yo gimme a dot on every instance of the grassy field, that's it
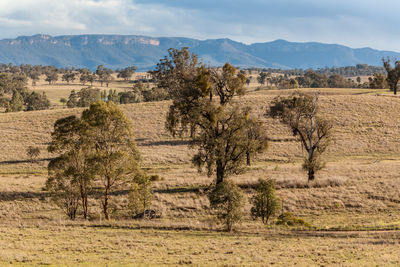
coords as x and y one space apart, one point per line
353 207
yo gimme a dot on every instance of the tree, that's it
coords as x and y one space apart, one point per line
265 202
16 102
36 101
86 76
51 77
300 112
63 100
68 76
87 96
222 141
257 141
262 78
126 73
35 76
228 200
65 191
115 156
377 81
293 84
104 74
72 172
393 74
72 100
202 105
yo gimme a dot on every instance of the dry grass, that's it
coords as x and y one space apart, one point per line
358 190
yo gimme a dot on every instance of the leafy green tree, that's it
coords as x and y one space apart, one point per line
51 77
87 96
223 141
68 76
8 84
72 172
35 77
228 200
36 101
63 100
262 77
393 74
126 73
16 102
86 76
300 112
104 74
378 81
257 141
265 202
65 191
293 84
115 156
72 100
202 105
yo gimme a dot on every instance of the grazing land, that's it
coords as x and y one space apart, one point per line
353 207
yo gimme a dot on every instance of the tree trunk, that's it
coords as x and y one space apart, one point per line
105 204
248 160
192 131
220 172
395 90
311 175
85 207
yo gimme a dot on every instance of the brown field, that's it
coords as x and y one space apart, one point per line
353 207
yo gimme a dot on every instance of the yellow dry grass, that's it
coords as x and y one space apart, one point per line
357 191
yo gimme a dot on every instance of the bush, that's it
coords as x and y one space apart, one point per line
288 219
140 196
265 202
228 200
32 153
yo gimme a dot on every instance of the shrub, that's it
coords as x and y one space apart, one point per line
140 196
32 153
228 200
265 202
288 219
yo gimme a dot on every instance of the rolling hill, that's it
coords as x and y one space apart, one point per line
118 51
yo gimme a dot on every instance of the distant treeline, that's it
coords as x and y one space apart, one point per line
349 71
313 79
15 96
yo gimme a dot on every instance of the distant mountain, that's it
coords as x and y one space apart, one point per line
118 51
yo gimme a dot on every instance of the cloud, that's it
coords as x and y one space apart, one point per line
355 23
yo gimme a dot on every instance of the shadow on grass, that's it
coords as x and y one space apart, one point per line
165 143
12 196
23 161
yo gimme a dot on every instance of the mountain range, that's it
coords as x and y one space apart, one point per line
118 51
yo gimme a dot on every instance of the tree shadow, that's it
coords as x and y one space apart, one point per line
6 162
12 196
166 143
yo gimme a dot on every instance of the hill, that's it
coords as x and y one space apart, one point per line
118 51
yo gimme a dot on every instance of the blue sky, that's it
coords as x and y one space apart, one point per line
354 23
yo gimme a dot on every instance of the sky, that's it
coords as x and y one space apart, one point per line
354 23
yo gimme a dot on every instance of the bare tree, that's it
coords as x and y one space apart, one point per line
300 113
